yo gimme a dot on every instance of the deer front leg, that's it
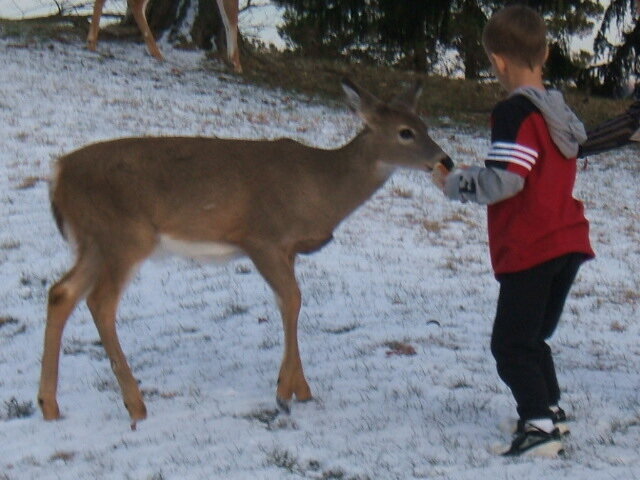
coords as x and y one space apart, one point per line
94 28
103 303
277 268
291 378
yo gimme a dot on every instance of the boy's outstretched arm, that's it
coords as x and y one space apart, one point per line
613 133
478 184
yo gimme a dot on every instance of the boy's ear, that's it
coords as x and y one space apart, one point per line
498 62
546 54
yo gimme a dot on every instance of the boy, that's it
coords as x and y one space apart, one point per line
538 234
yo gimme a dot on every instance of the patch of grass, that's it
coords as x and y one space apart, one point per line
34 30
10 245
148 393
29 182
271 419
4 321
342 329
616 326
265 415
268 343
432 226
284 459
15 409
402 193
11 327
243 269
235 309
399 348
467 103
62 456
339 474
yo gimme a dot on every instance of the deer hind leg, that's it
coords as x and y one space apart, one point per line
103 303
94 28
63 298
278 270
229 13
138 9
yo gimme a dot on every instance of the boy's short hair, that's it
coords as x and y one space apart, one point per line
519 33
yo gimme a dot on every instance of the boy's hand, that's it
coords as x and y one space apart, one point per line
440 173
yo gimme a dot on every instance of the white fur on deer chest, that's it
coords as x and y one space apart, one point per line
214 251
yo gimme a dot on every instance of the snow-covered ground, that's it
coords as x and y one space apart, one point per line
205 341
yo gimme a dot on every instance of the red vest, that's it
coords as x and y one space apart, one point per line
543 221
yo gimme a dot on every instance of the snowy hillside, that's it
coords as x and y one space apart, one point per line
205 341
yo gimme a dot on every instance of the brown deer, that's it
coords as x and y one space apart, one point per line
121 200
228 12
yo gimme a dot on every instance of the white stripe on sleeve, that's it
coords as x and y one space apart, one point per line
513 153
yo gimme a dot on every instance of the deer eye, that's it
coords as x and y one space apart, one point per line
406 134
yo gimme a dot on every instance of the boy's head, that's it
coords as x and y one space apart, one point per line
517 34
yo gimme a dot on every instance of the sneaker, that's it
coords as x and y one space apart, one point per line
558 417
536 443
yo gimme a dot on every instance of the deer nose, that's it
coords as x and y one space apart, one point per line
447 163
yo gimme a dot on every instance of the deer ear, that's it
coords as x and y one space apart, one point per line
409 98
361 101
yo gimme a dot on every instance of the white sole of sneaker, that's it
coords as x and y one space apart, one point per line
546 450
636 136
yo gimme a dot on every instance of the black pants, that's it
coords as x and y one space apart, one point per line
529 307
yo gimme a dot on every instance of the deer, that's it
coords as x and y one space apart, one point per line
228 11
121 200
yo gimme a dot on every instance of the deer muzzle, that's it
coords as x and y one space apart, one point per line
447 163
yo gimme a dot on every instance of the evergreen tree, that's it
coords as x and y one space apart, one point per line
618 62
413 34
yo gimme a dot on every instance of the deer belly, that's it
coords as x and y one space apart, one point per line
213 251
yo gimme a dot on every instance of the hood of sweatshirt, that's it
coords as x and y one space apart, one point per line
566 130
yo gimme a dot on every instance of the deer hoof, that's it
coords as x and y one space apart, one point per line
50 410
304 394
136 413
283 405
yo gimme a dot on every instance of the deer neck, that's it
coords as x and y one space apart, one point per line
366 171
351 174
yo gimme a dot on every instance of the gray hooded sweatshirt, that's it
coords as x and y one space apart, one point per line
486 185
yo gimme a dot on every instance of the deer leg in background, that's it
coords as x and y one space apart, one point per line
278 270
138 9
94 28
613 133
229 13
